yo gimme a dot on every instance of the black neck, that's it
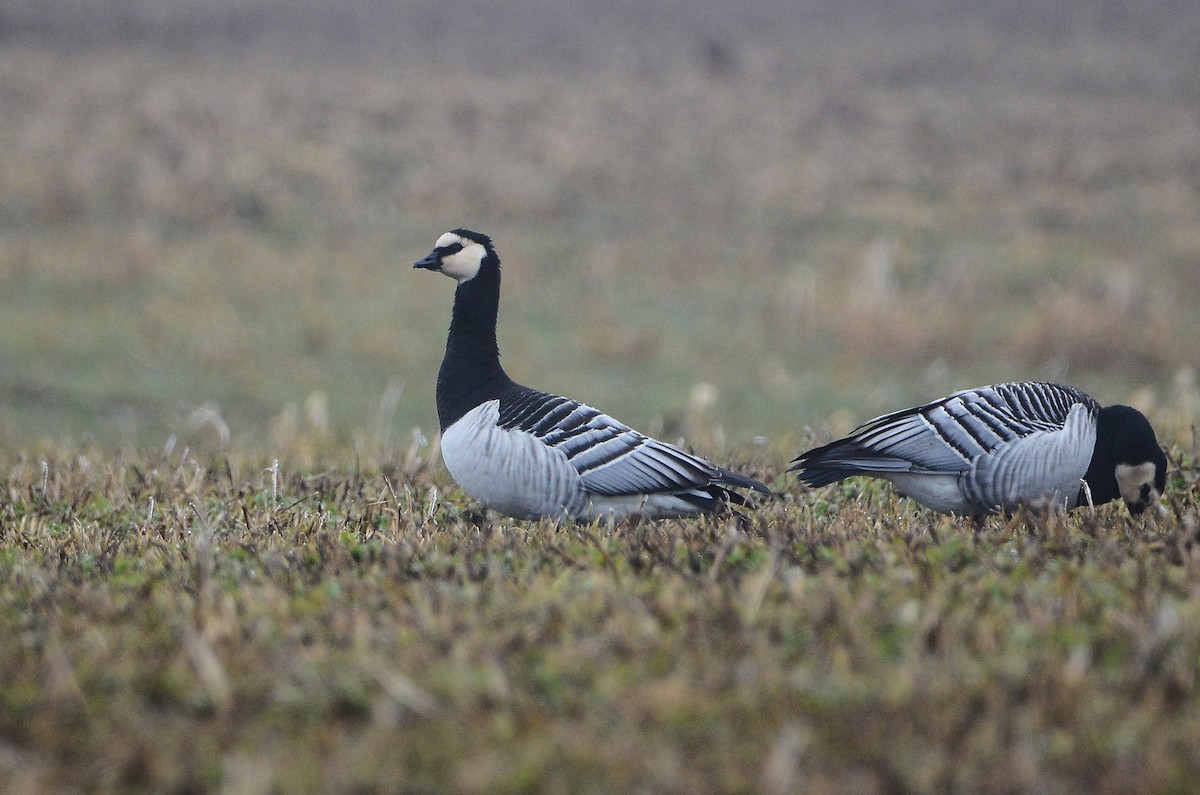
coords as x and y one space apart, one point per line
1101 476
471 373
1123 436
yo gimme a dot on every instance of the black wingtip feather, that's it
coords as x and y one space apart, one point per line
730 478
815 477
819 466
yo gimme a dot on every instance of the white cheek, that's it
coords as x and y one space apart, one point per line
464 265
1130 480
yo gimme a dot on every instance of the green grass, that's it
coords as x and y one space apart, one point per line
173 624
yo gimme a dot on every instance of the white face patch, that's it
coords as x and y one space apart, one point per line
1130 480
462 265
448 238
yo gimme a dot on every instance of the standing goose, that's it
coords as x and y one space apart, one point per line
530 454
997 447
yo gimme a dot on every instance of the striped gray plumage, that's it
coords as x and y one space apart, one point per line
531 454
610 457
989 449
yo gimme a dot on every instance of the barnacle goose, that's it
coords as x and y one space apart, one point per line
997 447
530 454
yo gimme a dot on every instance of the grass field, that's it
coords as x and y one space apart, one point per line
230 558
176 625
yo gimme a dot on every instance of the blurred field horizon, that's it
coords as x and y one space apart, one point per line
209 210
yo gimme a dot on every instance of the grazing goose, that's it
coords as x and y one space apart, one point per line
530 454
997 447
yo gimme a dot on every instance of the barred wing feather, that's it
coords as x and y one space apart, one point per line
611 458
953 434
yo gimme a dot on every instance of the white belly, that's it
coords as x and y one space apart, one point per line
941 492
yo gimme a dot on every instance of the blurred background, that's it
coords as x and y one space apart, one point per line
722 220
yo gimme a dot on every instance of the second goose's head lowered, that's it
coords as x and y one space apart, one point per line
460 254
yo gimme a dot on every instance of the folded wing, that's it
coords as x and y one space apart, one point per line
611 458
949 435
